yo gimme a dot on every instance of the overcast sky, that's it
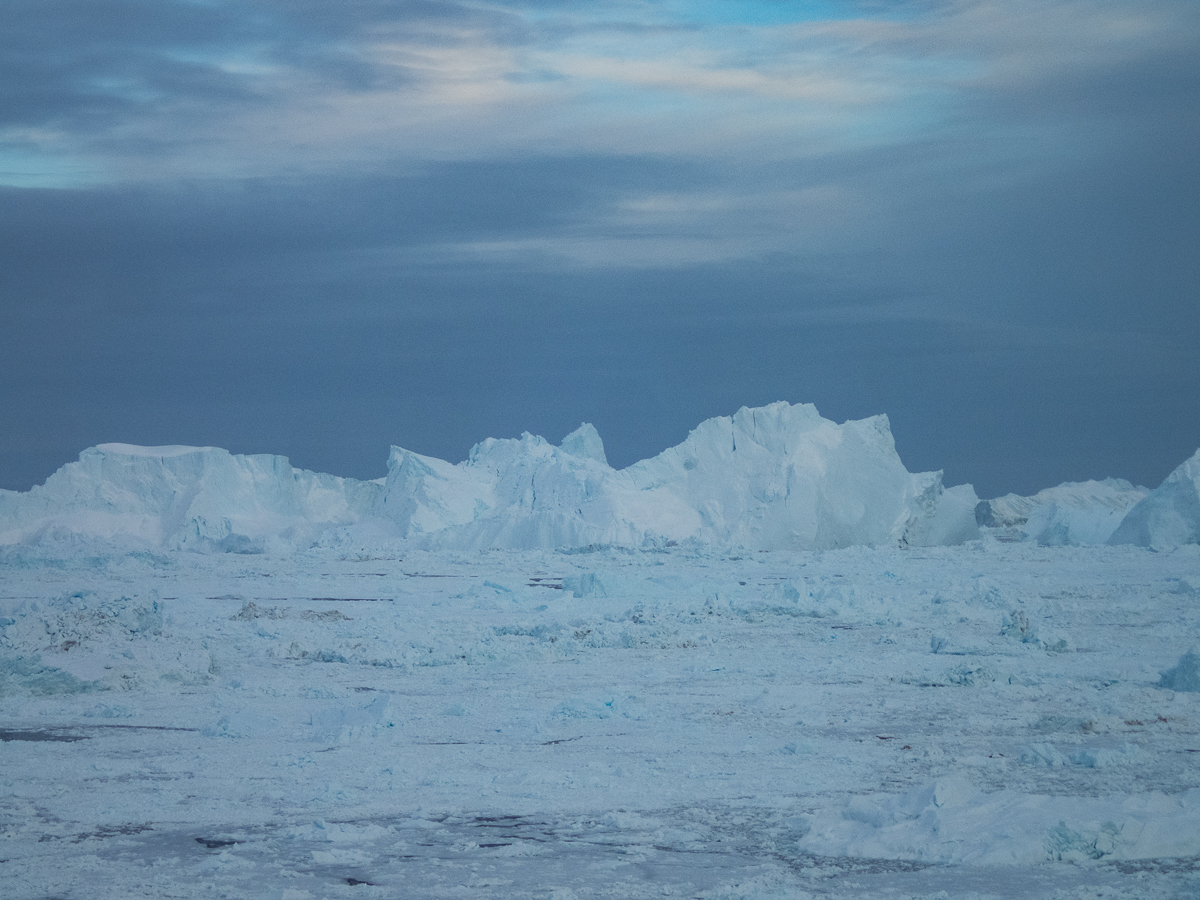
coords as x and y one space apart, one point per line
319 229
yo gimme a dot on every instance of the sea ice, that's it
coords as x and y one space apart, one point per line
677 722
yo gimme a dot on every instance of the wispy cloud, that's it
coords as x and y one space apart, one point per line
803 135
171 88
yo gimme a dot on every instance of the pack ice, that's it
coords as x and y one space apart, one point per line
775 477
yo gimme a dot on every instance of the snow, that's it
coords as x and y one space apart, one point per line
776 477
152 452
1169 515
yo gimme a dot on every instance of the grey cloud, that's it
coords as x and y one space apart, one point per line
62 61
84 64
242 220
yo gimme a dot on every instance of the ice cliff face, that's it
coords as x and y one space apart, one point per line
777 477
1169 515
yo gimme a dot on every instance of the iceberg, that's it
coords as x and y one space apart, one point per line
1071 514
773 478
1169 515
782 477
193 498
521 493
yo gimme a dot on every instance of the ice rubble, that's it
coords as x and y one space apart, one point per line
776 477
1169 515
1071 514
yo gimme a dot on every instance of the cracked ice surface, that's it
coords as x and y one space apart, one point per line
986 721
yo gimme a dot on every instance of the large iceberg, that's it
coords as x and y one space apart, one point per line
772 478
196 498
782 477
1169 515
1073 513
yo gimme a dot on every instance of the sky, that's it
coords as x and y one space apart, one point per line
321 229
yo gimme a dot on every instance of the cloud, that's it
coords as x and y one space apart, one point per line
484 130
292 84
133 82
131 90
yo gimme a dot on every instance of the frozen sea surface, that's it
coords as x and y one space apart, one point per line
984 721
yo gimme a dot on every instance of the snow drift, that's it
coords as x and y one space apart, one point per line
1169 515
776 477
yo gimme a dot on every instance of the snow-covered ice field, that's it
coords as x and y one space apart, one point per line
987 720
